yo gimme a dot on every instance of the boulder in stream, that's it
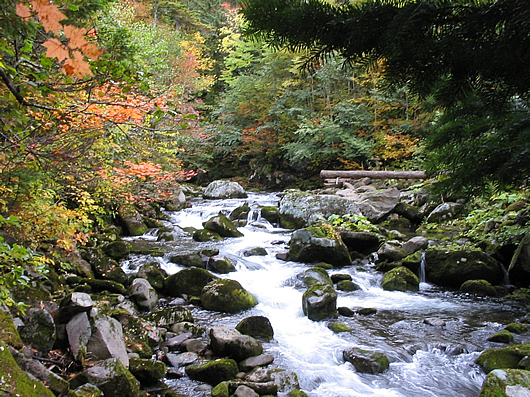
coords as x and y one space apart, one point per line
319 244
257 327
188 282
506 382
132 220
229 342
400 279
226 295
451 268
223 190
366 361
223 226
320 302
213 372
505 358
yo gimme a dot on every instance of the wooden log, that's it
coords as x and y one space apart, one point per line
328 174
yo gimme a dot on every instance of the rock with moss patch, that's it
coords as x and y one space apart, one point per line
105 268
132 220
347 285
141 292
86 390
188 282
226 295
167 316
154 274
506 383
505 358
8 331
111 377
451 268
229 342
20 382
362 242
478 287
320 302
257 327
366 361
204 235
220 264
39 330
503 336
213 372
338 327
147 371
106 340
400 279
318 244
223 226
315 275
517 328
117 250
221 390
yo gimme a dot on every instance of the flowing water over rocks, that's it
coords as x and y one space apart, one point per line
431 337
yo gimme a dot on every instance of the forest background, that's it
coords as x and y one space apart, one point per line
111 102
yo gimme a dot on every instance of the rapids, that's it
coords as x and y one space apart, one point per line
432 337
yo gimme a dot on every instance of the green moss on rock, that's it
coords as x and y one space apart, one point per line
226 295
400 279
213 372
505 358
506 383
503 336
188 281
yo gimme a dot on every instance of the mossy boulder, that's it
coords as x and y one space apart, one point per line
220 264
257 327
271 214
8 332
339 327
506 383
319 244
204 235
16 381
320 302
39 330
229 342
240 215
478 287
105 268
147 371
400 279
223 226
517 328
315 275
111 377
226 295
154 274
188 260
362 242
505 358
366 361
221 390
347 285
117 250
132 220
137 333
503 336
213 372
167 316
451 268
188 281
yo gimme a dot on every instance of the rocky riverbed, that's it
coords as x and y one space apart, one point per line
205 301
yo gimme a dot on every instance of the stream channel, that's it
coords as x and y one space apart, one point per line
431 337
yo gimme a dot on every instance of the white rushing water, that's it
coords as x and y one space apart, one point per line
428 358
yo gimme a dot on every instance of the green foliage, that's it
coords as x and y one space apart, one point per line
14 261
353 222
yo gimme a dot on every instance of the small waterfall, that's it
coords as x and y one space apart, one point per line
506 279
422 268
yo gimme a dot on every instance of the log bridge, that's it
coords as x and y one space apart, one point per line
337 178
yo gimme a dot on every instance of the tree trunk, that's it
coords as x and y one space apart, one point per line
327 174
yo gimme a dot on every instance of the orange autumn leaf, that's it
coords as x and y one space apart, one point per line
91 51
75 35
49 15
56 49
23 11
77 66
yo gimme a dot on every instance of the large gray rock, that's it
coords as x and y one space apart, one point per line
444 211
143 294
374 205
318 244
107 340
299 209
226 295
79 330
320 302
224 190
76 302
391 253
177 201
229 342
415 244
111 377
